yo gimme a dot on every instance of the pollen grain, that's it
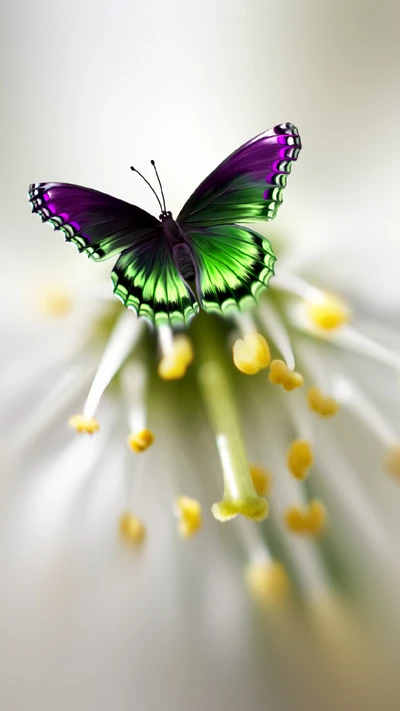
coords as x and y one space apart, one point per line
80 423
280 374
189 514
140 441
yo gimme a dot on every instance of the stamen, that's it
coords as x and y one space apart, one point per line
141 441
177 354
273 324
188 511
355 399
329 313
55 404
301 550
262 479
132 529
55 302
80 423
284 281
280 374
349 338
299 458
134 382
323 405
123 338
245 323
240 496
356 509
268 582
392 461
310 521
251 354
366 411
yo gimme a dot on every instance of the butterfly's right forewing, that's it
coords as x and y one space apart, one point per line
100 225
145 276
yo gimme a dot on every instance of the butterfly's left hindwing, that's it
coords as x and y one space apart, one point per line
233 262
233 266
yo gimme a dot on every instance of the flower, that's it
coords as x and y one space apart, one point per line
86 622
261 399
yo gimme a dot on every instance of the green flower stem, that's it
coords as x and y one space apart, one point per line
240 496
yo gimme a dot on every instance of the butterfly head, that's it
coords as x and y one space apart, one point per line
165 215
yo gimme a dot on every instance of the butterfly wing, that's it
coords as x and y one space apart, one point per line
145 276
233 266
234 262
248 185
147 279
98 224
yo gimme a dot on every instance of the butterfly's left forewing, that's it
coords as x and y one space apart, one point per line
248 185
232 261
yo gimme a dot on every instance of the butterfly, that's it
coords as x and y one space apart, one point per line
167 267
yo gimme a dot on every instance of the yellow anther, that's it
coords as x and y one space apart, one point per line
131 528
321 404
268 582
171 369
317 517
173 366
255 508
280 374
189 513
140 441
299 458
392 461
84 424
251 354
183 349
55 302
329 313
262 479
311 521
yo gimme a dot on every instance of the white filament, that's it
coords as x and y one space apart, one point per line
245 324
123 338
283 281
271 321
166 339
355 399
134 382
252 541
351 339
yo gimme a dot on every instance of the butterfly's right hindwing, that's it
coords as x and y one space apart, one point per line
145 277
147 280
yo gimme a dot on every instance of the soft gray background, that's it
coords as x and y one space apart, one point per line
87 89
90 87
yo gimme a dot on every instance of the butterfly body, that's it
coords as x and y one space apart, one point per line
159 259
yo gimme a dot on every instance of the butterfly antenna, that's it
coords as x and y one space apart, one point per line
159 182
150 186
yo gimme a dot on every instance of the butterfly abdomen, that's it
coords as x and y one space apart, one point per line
180 250
184 261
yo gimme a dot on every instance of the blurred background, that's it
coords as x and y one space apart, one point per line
89 88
